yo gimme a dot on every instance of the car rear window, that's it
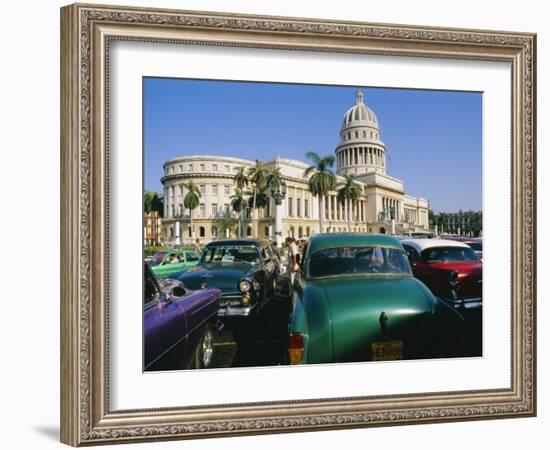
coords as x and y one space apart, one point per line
478 246
362 260
448 254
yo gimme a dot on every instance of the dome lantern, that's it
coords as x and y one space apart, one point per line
360 150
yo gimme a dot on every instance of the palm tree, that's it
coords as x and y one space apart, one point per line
226 222
240 178
321 179
239 205
259 200
348 190
275 177
257 175
191 201
152 201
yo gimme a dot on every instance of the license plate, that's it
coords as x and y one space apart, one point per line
387 351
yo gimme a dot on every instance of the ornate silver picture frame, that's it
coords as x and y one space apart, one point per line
87 32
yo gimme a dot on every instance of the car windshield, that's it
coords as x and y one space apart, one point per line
364 260
190 256
157 258
231 253
448 254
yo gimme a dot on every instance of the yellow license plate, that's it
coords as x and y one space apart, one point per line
387 351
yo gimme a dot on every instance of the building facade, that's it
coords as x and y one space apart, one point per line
383 207
153 233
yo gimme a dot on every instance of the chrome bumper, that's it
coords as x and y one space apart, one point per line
236 311
231 306
466 303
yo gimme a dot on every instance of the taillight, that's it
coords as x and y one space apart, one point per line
296 348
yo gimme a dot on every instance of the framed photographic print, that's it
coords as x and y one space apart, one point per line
279 224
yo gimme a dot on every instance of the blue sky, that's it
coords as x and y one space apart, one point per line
433 138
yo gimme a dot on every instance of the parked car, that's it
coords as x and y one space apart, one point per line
433 261
356 299
245 270
167 263
178 324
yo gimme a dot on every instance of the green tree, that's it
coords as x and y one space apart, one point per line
240 178
257 176
191 201
275 178
152 201
321 179
239 205
348 190
226 222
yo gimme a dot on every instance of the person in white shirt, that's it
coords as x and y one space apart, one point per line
293 256
197 246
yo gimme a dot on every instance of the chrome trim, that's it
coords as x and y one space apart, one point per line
467 303
236 311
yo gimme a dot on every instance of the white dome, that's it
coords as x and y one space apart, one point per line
359 114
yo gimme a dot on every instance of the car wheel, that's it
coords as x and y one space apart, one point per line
205 350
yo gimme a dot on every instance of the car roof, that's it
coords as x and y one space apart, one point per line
423 244
235 242
332 240
463 239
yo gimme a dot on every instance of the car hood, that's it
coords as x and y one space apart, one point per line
224 276
355 308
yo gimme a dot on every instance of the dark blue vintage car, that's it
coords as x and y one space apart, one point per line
178 324
245 270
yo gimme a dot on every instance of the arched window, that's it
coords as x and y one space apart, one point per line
308 231
249 231
171 232
214 232
300 233
291 232
266 231
189 232
364 134
202 232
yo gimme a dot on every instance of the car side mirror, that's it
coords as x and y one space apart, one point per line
178 291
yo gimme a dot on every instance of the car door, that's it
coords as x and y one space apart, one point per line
164 325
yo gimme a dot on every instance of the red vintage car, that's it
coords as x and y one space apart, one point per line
453 272
436 261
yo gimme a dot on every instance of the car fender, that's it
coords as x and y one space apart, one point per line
312 316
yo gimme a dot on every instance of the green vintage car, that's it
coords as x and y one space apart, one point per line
355 299
169 262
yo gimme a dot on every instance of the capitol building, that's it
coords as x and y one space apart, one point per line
383 207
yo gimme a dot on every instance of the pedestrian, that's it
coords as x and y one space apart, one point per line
293 258
197 246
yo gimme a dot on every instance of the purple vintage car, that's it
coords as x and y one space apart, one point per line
178 324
